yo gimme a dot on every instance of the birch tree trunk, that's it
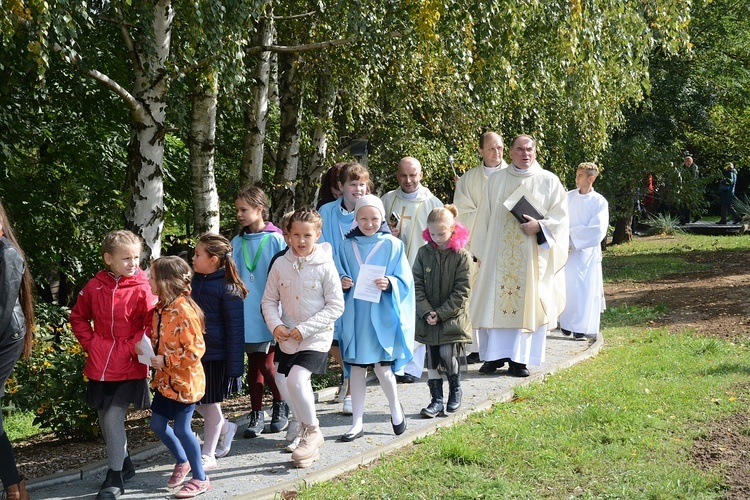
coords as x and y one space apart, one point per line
326 94
202 143
144 213
287 157
256 113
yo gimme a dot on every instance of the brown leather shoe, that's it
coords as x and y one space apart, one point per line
16 492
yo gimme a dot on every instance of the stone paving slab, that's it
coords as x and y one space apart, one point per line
259 468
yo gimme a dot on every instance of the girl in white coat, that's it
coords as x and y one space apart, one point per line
305 283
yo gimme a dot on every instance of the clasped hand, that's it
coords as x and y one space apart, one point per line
432 318
281 333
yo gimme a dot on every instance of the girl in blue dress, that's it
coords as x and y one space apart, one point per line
378 321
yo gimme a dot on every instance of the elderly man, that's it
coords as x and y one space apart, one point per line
520 290
411 203
469 191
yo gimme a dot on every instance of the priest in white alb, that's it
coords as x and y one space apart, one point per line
589 220
469 192
520 288
411 203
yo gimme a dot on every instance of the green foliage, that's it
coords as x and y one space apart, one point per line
19 424
663 225
51 383
743 206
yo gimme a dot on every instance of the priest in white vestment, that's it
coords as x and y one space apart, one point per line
520 288
412 203
469 192
589 219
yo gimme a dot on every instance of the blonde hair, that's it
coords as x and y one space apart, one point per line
218 246
445 215
172 275
305 214
115 240
590 167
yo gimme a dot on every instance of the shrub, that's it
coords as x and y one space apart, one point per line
51 383
662 224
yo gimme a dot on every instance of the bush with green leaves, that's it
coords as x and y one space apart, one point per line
663 224
51 383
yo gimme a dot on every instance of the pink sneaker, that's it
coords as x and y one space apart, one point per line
193 488
178 475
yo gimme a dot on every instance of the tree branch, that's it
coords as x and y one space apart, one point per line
290 49
293 17
75 61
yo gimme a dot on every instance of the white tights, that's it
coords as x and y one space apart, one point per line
358 385
296 389
213 425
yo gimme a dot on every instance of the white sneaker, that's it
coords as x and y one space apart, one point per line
342 390
293 430
208 462
293 445
225 440
347 408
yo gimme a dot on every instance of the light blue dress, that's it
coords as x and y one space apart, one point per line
383 331
252 256
335 226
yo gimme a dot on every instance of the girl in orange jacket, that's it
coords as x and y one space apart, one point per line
179 379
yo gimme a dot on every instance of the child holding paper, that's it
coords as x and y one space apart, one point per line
378 320
111 316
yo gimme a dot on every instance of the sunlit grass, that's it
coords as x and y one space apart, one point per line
645 259
620 425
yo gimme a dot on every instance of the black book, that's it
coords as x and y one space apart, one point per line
524 207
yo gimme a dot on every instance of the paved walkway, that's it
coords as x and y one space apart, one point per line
259 468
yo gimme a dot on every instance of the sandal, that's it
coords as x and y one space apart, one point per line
178 475
193 488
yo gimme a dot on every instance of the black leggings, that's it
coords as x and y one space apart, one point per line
9 354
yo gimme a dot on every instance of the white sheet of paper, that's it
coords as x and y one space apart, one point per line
148 351
518 193
365 288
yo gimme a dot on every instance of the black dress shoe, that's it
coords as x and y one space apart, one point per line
472 358
518 370
405 379
400 428
565 332
348 438
579 336
490 367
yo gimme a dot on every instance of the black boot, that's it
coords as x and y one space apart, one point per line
435 407
257 424
454 393
128 470
112 487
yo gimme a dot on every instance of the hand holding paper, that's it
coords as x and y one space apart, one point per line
144 350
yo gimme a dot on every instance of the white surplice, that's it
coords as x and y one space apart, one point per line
589 219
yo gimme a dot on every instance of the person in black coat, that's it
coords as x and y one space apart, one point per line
16 332
219 291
